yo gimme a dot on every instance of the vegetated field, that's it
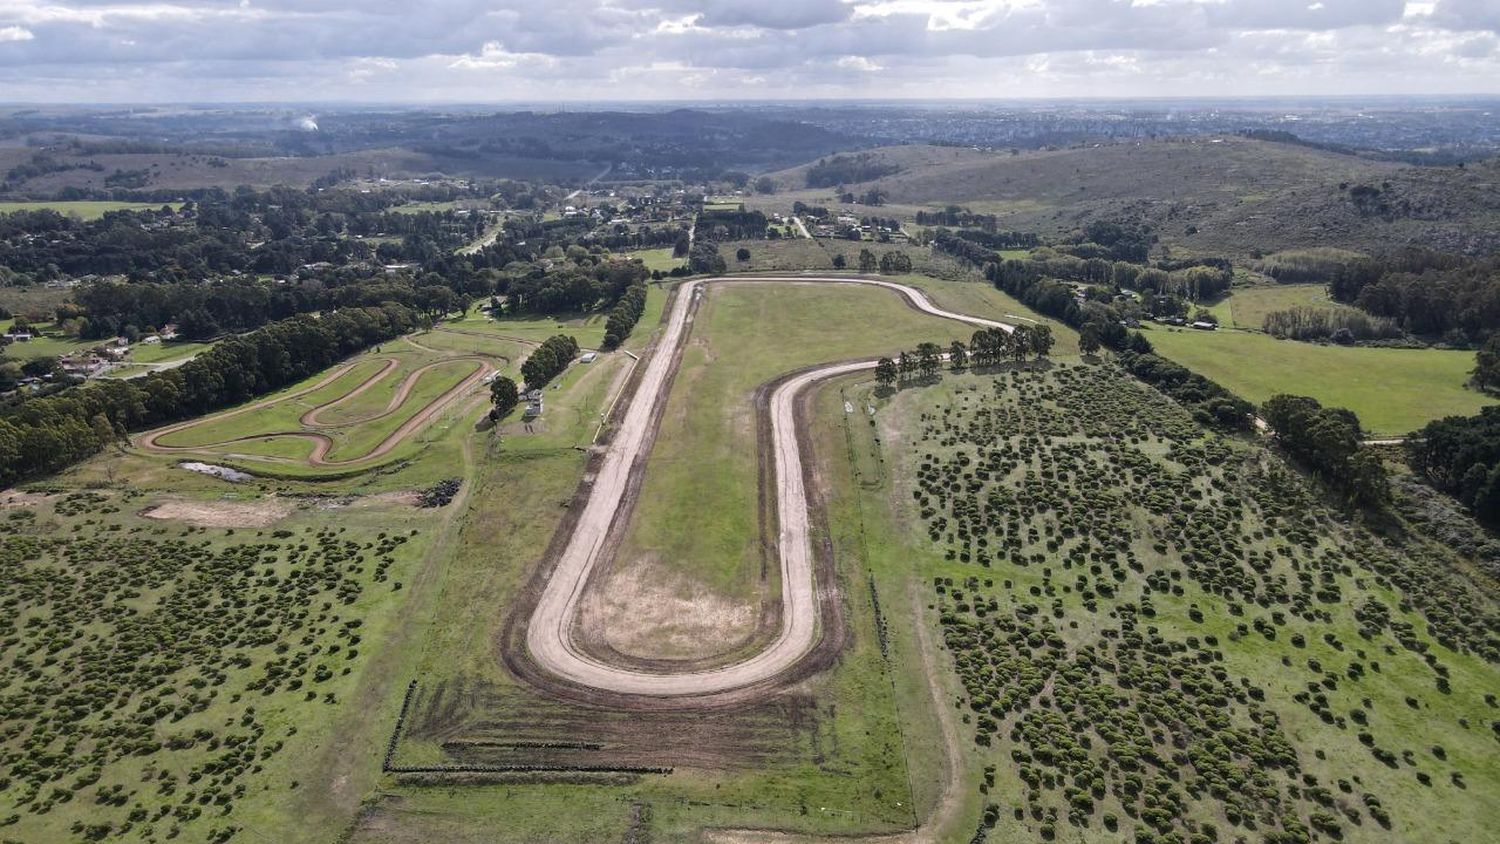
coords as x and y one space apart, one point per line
1159 631
164 681
826 756
46 343
235 648
1246 307
586 328
657 259
1210 196
84 209
165 351
1394 391
365 411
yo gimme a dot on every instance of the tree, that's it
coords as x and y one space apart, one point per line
1487 364
504 395
895 262
958 356
765 184
704 258
886 373
929 359
1041 340
1020 343
867 261
839 261
1088 339
907 366
742 254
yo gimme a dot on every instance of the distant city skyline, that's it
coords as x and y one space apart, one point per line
98 51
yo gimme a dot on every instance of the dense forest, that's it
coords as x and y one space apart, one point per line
1429 294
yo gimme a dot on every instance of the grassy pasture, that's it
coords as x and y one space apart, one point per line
1394 391
656 259
84 209
164 352
1246 307
587 329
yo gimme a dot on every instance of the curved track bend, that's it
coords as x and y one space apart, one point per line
549 632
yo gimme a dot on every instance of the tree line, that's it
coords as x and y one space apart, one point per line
549 359
1338 326
987 347
44 435
1460 455
624 315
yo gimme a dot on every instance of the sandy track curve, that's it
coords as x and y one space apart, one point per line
550 629
322 443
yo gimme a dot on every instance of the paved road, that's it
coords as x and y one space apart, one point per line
549 636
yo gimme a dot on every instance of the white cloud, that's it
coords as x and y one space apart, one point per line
602 49
857 63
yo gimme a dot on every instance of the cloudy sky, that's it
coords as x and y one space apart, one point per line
546 50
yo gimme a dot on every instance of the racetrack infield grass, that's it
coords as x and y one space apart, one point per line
1394 391
1431 733
696 526
280 612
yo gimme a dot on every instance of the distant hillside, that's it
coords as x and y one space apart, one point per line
229 148
1223 195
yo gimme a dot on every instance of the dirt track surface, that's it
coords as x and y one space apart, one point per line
550 630
322 443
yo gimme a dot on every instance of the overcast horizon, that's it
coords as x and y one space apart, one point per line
600 51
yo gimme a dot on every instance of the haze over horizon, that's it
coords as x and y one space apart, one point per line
264 51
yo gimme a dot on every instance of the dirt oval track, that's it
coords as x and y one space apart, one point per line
549 637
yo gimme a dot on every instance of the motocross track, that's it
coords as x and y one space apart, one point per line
322 443
553 656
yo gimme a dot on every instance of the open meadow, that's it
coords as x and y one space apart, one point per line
1394 391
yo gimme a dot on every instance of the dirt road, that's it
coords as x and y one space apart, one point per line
322 443
549 633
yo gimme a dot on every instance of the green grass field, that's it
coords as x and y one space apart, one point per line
1246 307
1394 391
657 259
46 342
587 329
165 352
83 209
